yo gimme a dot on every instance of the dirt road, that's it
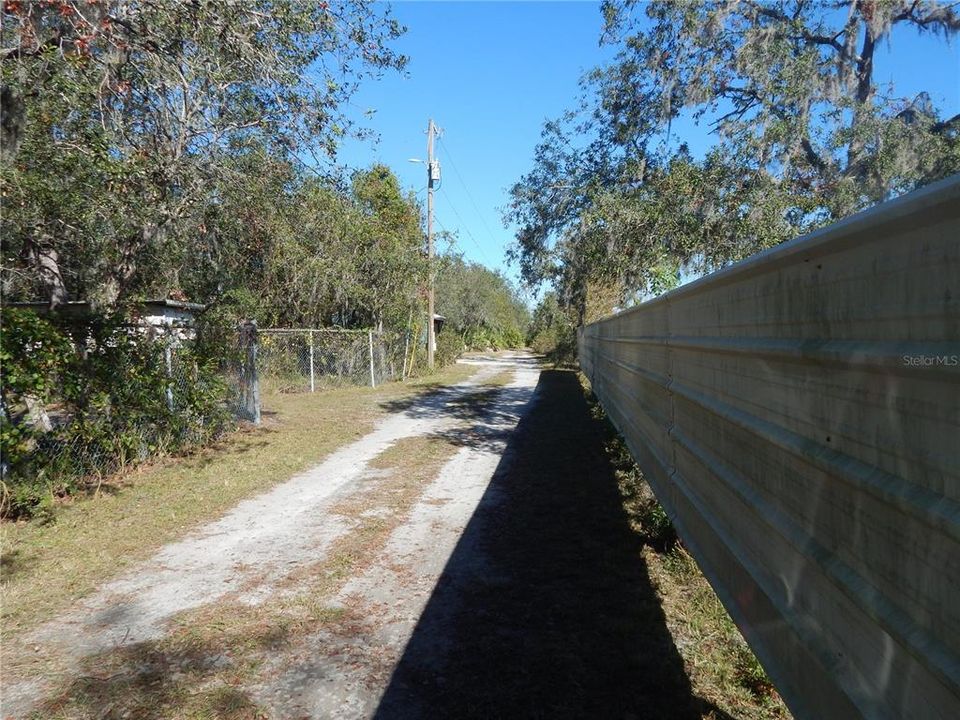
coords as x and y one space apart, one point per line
249 552
508 584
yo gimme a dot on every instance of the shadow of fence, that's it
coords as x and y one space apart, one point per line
545 607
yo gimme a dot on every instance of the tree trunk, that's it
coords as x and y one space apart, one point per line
863 97
12 113
43 257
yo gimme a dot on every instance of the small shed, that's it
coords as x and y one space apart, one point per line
170 313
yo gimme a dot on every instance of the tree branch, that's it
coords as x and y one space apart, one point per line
942 17
945 125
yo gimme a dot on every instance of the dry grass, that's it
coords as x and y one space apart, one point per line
499 380
211 656
720 664
48 566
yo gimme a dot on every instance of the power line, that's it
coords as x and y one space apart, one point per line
466 189
464 224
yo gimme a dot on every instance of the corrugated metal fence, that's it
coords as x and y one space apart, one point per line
798 416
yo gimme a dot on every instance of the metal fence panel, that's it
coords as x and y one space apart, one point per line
798 416
291 360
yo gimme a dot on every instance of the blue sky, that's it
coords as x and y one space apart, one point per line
490 73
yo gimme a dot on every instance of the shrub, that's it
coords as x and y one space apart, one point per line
83 397
449 348
553 331
558 342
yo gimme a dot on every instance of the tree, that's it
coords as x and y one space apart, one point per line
480 305
301 252
805 136
390 261
788 85
552 331
125 117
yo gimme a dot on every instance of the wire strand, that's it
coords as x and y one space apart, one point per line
466 228
466 189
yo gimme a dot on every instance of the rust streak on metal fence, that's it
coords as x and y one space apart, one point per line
798 416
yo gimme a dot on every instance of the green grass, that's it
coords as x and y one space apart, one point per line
47 566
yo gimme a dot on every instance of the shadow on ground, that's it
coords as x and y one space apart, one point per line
545 608
484 416
157 680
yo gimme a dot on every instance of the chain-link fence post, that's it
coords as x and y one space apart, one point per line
249 380
373 380
312 386
168 360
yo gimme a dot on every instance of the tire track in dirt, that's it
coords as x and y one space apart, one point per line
343 673
245 554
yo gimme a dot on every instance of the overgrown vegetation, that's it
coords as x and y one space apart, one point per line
481 306
155 150
552 332
84 396
187 151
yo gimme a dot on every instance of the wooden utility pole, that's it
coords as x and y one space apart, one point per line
432 173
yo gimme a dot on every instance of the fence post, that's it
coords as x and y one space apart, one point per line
311 360
168 359
251 381
373 380
406 346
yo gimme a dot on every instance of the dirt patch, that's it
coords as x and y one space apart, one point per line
342 671
210 597
209 656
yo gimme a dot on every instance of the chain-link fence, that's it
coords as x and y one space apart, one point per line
84 446
308 360
143 391
112 395
238 367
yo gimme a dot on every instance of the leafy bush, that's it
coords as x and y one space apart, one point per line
502 338
449 348
480 305
217 325
558 342
83 397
